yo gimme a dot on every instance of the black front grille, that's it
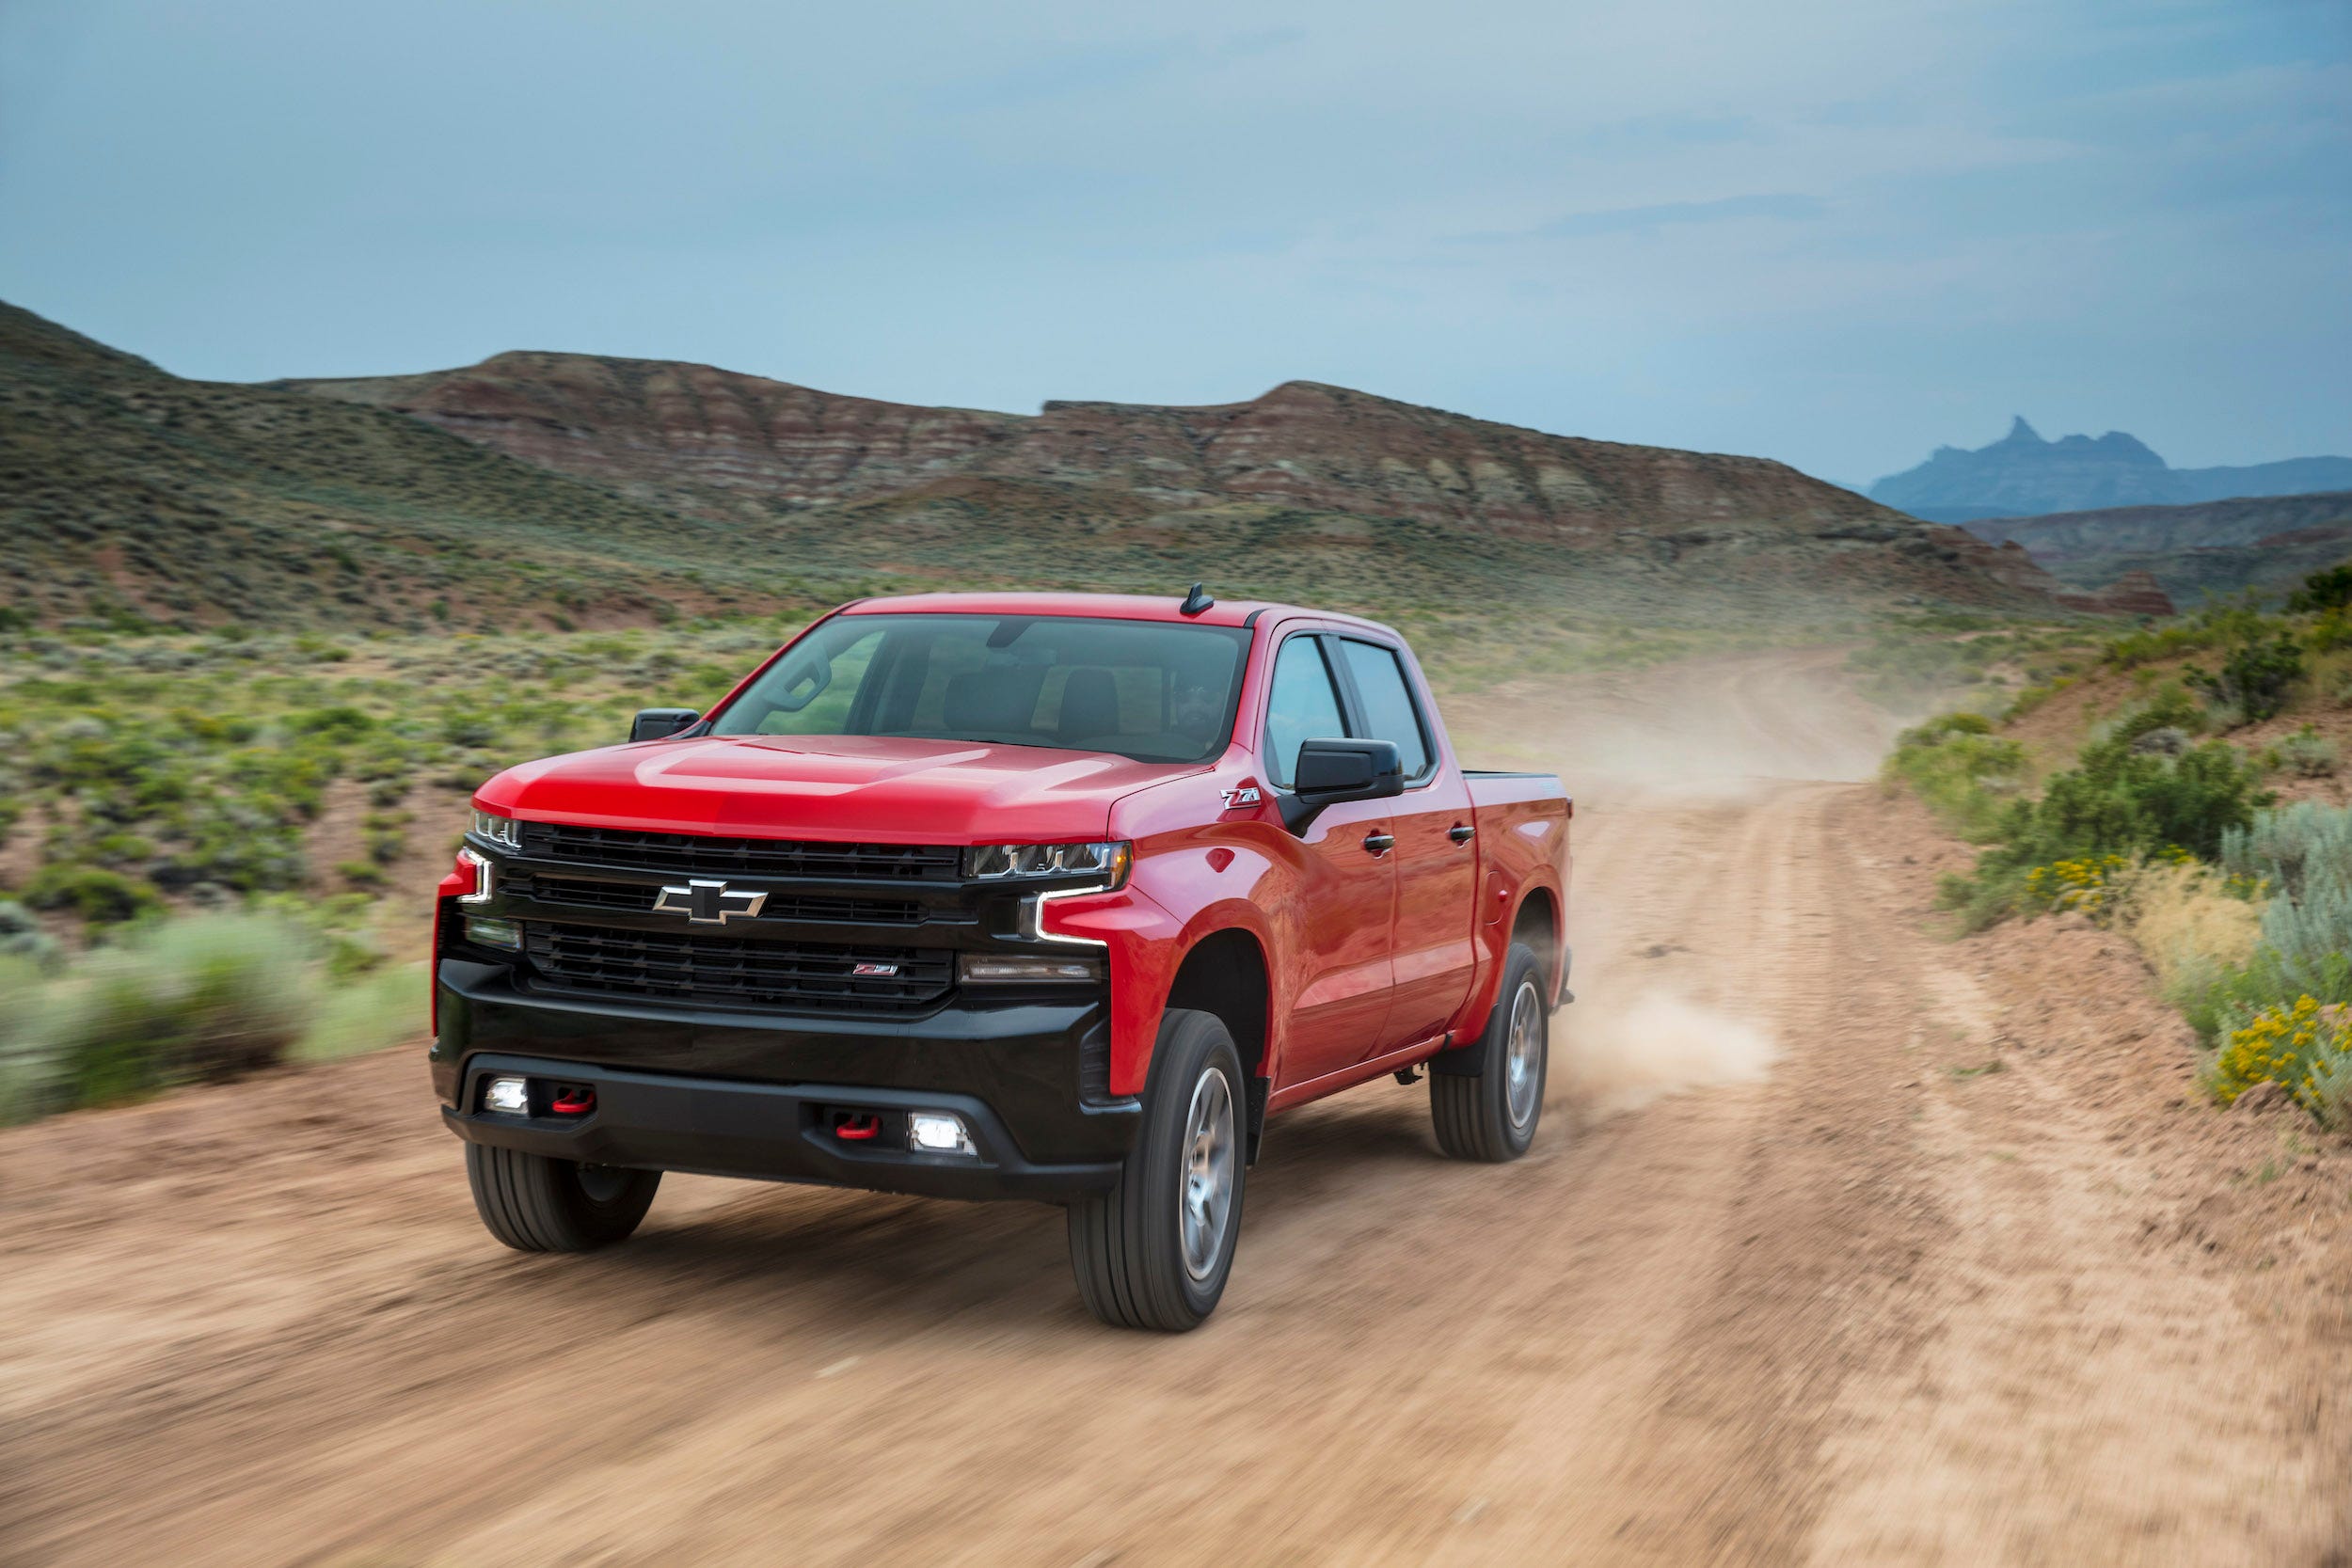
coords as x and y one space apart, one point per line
641 897
720 857
729 972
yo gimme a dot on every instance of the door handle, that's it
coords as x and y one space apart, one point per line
1379 843
1460 832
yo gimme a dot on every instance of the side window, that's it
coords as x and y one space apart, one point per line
1302 706
1389 707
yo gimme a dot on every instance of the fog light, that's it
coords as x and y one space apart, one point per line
991 969
493 933
512 1095
937 1132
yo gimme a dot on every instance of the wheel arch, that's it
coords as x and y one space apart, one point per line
1226 973
1538 923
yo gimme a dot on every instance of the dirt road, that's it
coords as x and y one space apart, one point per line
1854 1294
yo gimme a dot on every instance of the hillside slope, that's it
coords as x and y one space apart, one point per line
541 488
132 492
725 445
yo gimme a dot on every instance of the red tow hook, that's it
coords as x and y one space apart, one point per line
859 1128
573 1102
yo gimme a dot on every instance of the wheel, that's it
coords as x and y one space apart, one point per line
536 1204
1153 1250
1492 1115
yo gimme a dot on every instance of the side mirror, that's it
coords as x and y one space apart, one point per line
652 723
1330 771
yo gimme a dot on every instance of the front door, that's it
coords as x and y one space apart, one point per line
1342 912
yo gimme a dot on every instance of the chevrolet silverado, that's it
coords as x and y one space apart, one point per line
1035 895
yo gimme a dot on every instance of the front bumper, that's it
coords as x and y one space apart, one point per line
732 1093
770 1132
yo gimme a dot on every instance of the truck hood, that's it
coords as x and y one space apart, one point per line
863 788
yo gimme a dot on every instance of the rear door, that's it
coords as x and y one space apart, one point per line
1432 950
1339 921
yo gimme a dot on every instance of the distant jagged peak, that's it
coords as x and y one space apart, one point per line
2021 434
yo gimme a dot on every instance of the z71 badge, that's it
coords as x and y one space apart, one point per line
1246 796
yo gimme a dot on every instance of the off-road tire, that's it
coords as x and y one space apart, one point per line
1480 1117
1127 1242
536 1204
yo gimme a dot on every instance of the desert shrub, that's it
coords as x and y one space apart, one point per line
22 938
2304 854
2308 754
2254 677
2118 802
469 727
23 1045
2098 886
386 835
202 998
2324 591
2220 626
2305 848
2031 697
2303 1046
341 725
2167 707
249 843
99 896
1963 773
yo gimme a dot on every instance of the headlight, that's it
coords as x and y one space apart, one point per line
1107 862
492 828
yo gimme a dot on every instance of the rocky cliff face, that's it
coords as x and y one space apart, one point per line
722 445
2023 474
2133 593
2208 526
2267 544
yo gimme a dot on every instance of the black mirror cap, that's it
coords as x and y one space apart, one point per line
1330 771
653 723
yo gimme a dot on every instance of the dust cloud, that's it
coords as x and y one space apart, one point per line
1618 1060
1667 766
1718 729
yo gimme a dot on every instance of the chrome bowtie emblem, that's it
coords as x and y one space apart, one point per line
708 903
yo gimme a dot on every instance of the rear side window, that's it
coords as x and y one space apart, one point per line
1302 706
1390 711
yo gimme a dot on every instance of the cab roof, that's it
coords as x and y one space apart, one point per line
1109 607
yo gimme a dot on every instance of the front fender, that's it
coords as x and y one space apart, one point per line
1146 945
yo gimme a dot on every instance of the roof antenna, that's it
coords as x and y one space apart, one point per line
1195 602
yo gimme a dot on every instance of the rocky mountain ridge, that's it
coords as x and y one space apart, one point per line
724 445
567 490
2023 474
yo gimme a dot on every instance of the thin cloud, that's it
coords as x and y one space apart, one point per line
1640 220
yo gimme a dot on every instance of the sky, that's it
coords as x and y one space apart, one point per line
1837 232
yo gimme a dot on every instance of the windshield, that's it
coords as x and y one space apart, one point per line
1152 690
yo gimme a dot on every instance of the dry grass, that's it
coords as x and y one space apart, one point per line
2184 922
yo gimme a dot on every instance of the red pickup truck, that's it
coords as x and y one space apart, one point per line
1038 895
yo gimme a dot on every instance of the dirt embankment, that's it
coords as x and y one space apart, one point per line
1932 1259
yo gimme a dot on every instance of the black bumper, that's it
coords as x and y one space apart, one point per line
752 1095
